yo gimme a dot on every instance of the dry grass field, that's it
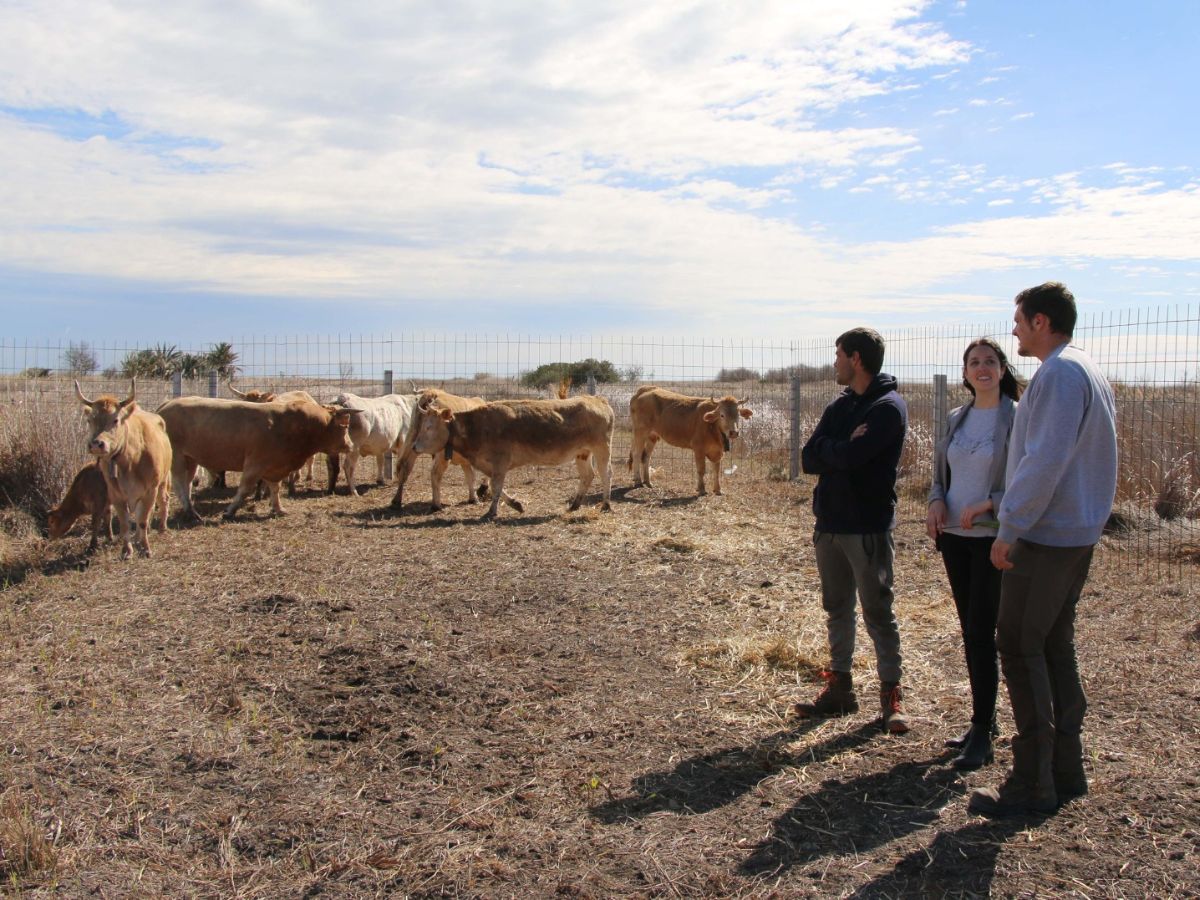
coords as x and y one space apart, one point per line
345 702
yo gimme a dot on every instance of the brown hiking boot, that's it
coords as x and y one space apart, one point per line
1016 797
894 720
836 699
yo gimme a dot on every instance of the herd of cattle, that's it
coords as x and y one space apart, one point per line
139 455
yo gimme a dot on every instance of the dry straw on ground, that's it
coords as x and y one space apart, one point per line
347 702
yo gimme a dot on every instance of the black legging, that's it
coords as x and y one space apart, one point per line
975 584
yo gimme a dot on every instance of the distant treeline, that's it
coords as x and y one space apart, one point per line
779 376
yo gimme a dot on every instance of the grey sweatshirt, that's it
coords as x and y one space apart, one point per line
1062 457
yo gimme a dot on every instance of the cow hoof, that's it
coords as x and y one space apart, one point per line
605 506
126 552
574 504
717 493
517 505
436 507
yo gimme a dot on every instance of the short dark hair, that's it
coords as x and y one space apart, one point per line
867 343
1011 384
1054 301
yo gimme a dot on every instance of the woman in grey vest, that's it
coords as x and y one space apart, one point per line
968 484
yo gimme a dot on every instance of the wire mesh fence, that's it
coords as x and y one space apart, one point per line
1152 356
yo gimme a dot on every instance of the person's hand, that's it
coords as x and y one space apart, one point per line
1000 551
859 431
935 519
974 511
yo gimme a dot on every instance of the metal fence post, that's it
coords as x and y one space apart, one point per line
212 383
941 411
177 384
387 457
794 462
591 384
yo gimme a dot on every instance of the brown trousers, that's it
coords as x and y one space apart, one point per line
1035 634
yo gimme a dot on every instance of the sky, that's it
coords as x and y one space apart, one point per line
188 171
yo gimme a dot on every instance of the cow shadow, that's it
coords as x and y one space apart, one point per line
958 863
703 783
844 817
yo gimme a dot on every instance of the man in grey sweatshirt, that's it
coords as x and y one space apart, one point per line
1061 481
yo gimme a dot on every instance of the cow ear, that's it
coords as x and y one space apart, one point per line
745 413
710 416
447 415
343 418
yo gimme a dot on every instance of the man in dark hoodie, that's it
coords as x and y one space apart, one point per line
855 450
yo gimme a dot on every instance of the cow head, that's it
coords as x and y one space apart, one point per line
434 433
337 431
725 417
253 396
107 416
58 522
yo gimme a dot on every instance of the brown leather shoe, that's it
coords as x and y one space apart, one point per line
1015 797
893 719
836 699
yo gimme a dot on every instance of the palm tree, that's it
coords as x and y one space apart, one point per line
222 359
165 360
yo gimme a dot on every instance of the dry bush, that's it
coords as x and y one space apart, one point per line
1177 496
37 462
26 849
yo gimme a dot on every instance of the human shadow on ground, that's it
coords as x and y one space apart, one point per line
703 783
959 863
849 816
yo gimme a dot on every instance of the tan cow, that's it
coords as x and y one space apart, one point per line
133 454
705 426
429 400
256 396
266 441
88 493
506 434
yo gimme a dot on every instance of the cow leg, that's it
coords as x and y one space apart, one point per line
122 510
647 450
637 450
403 469
602 457
350 466
716 461
332 462
497 493
308 469
97 521
276 507
436 472
164 504
183 470
142 512
249 479
379 465
700 459
583 466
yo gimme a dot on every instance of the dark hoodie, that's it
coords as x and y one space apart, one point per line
856 491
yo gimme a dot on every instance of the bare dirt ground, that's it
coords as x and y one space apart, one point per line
347 702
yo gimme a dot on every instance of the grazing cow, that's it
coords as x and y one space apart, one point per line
88 493
500 436
266 441
428 401
706 426
380 425
134 456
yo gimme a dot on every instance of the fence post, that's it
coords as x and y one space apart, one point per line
387 457
176 383
794 462
940 411
212 383
591 383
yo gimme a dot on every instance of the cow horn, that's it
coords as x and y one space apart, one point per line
82 399
236 391
744 400
132 394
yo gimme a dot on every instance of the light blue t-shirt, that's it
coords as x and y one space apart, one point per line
969 457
